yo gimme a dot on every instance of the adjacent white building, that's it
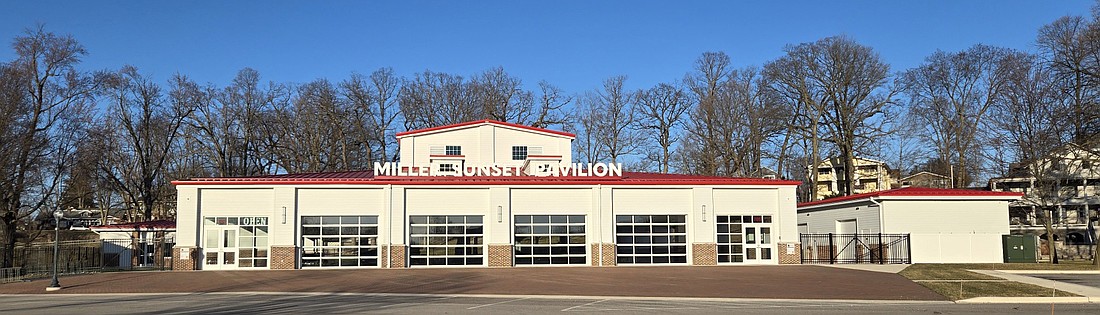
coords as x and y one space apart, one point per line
945 225
483 193
1067 195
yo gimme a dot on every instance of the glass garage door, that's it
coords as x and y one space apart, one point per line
446 240
339 241
745 239
651 239
550 240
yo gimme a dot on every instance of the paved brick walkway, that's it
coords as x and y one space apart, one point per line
787 282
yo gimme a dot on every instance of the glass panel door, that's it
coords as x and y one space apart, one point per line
232 242
220 251
745 239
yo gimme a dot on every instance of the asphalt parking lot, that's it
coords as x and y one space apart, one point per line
361 303
761 282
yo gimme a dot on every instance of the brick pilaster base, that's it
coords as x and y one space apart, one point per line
284 257
789 259
500 255
397 258
608 257
194 258
704 254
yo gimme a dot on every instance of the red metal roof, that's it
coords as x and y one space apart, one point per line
146 225
914 192
367 178
486 121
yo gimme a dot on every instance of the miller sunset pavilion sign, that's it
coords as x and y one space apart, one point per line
494 170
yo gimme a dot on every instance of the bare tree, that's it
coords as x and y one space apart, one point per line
432 99
1070 47
373 99
225 127
1030 117
700 154
611 120
729 130
661 111
145 125
950 94
839 92
45 101
790 82
502 96
550 106
854 86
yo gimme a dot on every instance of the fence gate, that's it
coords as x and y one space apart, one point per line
868 248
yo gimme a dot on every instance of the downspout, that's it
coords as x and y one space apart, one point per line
599 212
389 229
881 214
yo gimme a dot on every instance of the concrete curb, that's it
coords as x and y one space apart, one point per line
1031 300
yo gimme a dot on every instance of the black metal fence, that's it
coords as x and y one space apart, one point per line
87 256
856 249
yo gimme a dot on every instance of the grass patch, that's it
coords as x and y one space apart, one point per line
955 282
958 290
942 272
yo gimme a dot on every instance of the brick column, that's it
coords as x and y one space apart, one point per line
789 259
397 260
500 255
704 254
192 261
283 257
608 254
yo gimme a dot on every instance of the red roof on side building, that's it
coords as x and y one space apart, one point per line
145 225
367 178
484 122
917 192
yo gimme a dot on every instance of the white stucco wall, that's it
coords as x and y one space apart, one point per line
941 230
483 145
497 204
950 231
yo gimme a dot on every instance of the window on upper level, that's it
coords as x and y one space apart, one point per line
824 171
446 167
454 150
519 153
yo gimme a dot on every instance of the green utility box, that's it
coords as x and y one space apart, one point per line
1019 248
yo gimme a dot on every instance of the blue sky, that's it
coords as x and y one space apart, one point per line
572 44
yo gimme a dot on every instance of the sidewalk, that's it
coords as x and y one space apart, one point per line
1087 294
885 268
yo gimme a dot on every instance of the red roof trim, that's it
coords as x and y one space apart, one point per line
368 178
914 192
446 156
486 121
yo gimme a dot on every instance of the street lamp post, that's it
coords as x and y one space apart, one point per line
54 285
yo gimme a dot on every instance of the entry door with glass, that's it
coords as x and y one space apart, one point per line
220 248
745 239
235 242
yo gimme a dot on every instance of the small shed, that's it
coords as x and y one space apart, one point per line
944 225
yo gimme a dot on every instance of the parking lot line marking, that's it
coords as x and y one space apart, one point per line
583 305
497 303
